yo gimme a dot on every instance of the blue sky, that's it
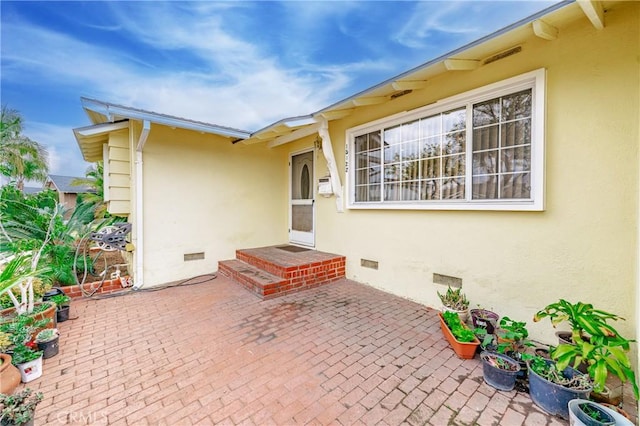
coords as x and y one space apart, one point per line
236 63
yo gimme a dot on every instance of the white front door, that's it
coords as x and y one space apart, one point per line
302 211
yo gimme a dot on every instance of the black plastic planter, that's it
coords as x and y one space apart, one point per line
62 314
49 349
553 398
501 379
483 318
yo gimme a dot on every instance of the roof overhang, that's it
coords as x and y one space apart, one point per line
91 138
102 112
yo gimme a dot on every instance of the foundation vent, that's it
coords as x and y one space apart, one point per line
447 280
193 256
371 264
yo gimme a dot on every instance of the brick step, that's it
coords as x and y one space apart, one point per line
254 279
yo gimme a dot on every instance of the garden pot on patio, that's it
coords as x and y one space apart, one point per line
499 371
47 341
483 318
62 314
464 350
30 370
588 413
551 397
9 375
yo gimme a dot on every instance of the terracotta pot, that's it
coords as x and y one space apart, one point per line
464 350
9 375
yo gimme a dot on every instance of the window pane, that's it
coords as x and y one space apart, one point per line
392 135
431 147
410 170
516 133
485 163
431 168
411 151
454 120
486 113
374 174
454 143
516 159
517 105
485 138
453 165
485 187
453 189
374 140
361 143
392 173
362 176
430 190
374 157
374 192
391 153
410 131
362 160
392 191
411 191
430 126
517 185
361 193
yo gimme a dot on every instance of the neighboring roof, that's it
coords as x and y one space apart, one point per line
31 190
63 184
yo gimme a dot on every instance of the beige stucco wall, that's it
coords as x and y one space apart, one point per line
582 247
203 194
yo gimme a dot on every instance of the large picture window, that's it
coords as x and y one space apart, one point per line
479 150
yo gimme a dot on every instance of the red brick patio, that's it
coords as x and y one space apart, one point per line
214 353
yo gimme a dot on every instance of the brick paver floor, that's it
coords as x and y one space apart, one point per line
213 353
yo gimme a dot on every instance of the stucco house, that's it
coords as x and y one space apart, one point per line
509 166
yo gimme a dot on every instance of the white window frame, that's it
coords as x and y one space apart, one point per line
534 80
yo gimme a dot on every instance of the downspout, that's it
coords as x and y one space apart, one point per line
327 149
139 250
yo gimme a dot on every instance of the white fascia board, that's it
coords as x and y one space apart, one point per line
101 129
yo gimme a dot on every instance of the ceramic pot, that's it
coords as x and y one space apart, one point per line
9 375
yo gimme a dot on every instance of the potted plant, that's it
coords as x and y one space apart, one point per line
28 361
47 341
552 388
454 300
461 339
590 413
484 318
19 408
62 302
9 374
595 342
512 341
499 371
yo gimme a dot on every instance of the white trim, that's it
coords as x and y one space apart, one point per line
105 173
534 80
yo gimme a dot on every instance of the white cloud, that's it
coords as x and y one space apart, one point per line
64 155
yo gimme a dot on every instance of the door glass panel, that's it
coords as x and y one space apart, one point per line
304 182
